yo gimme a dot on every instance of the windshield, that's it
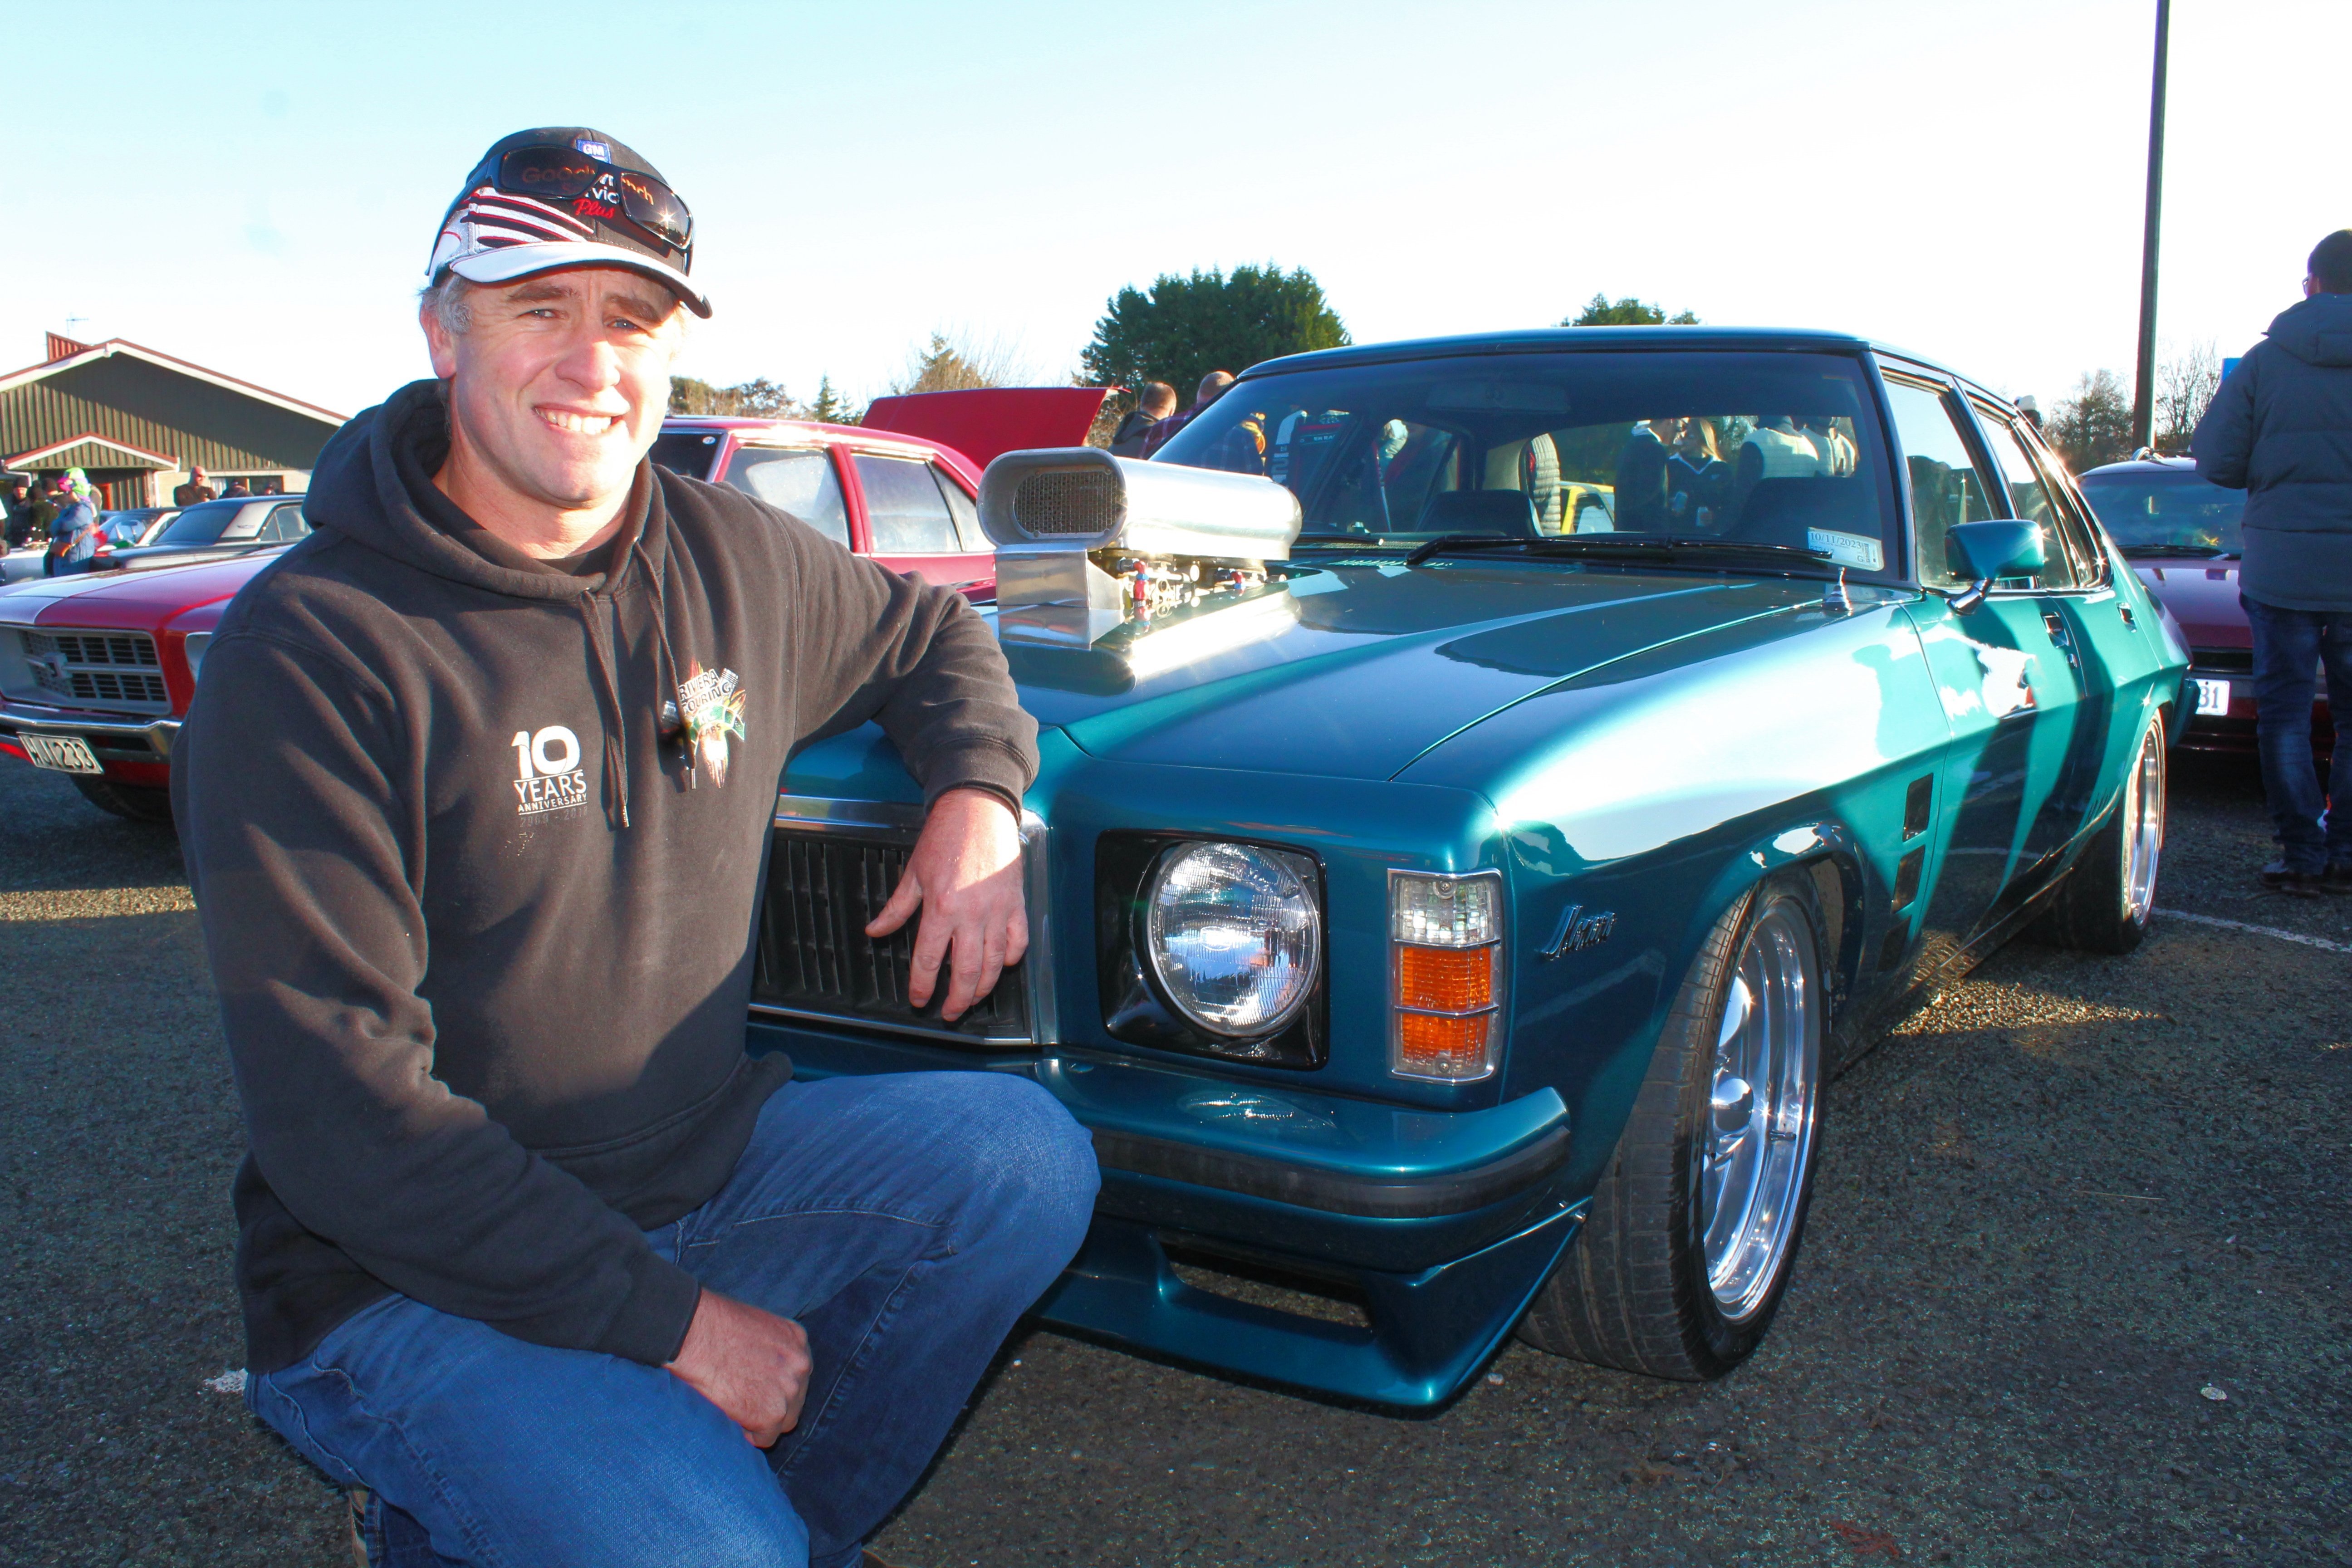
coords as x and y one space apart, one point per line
2152 510
201 524
1777 449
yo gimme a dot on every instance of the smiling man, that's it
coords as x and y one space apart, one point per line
476 795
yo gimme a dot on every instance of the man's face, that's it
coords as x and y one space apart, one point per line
560 385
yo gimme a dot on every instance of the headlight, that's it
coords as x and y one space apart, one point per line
1234 937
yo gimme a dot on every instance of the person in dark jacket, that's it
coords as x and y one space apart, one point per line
196 491
2281 429
1158 402
476 798
26 513
1641 476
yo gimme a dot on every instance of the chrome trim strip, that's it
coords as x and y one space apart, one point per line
1037 883
840 1020
824 814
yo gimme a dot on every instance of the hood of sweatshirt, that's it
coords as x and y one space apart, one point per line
373 485
2319 330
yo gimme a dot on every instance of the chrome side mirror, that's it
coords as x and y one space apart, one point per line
1986 552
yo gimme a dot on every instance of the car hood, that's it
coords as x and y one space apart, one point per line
2202 595
127 599
1354 670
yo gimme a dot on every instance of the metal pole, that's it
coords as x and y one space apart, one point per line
2144 382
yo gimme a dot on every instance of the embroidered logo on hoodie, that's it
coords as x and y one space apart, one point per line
547 776
712 704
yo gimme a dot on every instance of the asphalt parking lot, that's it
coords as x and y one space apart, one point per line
2072 1291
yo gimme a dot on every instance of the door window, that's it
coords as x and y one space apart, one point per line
794 480
905 512
286 525
966 515
2030 497
1946 487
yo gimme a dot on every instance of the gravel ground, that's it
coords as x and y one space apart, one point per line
2072 1292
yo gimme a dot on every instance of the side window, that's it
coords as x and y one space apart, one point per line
2076 526
796 481
286 525
2030 497
245 526
904 509
1946 487
966 515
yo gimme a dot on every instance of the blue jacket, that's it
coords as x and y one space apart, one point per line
2281 429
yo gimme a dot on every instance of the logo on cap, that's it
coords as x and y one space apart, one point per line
600 151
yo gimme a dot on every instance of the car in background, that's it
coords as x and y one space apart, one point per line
2181 533
135 525
214 530
97 669
1451 918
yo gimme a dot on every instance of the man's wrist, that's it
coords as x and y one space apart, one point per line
986 792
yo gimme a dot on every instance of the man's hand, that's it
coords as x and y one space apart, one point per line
965 876
752 1364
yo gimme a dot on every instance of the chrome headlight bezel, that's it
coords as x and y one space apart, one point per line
1138 1005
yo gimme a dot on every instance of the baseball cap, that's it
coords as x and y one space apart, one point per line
566 197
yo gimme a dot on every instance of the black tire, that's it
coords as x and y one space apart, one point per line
2102 906
133 803
1633 1291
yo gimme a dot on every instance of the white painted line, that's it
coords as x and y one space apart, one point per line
2318 942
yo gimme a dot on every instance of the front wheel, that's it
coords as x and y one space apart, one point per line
1686 1249
2108 900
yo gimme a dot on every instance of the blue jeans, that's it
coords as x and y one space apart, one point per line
904 1221
2289 648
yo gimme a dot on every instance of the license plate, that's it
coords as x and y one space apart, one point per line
66 753
2212 697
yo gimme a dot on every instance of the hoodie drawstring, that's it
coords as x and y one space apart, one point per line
616 728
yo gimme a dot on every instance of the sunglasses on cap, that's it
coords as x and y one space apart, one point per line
566 174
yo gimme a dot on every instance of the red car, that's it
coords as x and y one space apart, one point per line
2180 534
98 670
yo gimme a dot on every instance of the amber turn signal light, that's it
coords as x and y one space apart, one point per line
1446 979
1431 1046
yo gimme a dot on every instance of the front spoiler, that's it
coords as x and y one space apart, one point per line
1443 1224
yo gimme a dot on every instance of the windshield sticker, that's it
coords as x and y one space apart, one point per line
1857 550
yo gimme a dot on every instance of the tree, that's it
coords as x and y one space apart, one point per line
2185 383
1183 327
832 408
2093 425
1602 311
757 399
957 363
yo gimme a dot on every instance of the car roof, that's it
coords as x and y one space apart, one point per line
1555 340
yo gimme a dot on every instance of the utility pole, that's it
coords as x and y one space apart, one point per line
2144 384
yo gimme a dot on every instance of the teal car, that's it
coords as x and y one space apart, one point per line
1489 784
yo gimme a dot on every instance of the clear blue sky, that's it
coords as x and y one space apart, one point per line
256 186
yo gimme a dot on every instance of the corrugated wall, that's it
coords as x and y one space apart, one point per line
159 410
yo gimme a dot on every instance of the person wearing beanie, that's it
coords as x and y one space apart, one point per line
476 798
2280 428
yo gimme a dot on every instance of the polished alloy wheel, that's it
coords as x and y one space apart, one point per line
1759 1133
2144 825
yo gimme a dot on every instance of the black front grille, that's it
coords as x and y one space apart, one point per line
112 670
815 957
2221 660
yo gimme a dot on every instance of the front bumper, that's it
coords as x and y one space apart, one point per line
131 750
1441 1225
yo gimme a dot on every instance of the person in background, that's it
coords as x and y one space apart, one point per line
74 533
194 490
1775 449
2031 410
2280 428
27 513
1698 480
1642 475
1158 402
1213 387
237 490
1838 456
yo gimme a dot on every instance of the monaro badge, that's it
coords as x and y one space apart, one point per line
1579 930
